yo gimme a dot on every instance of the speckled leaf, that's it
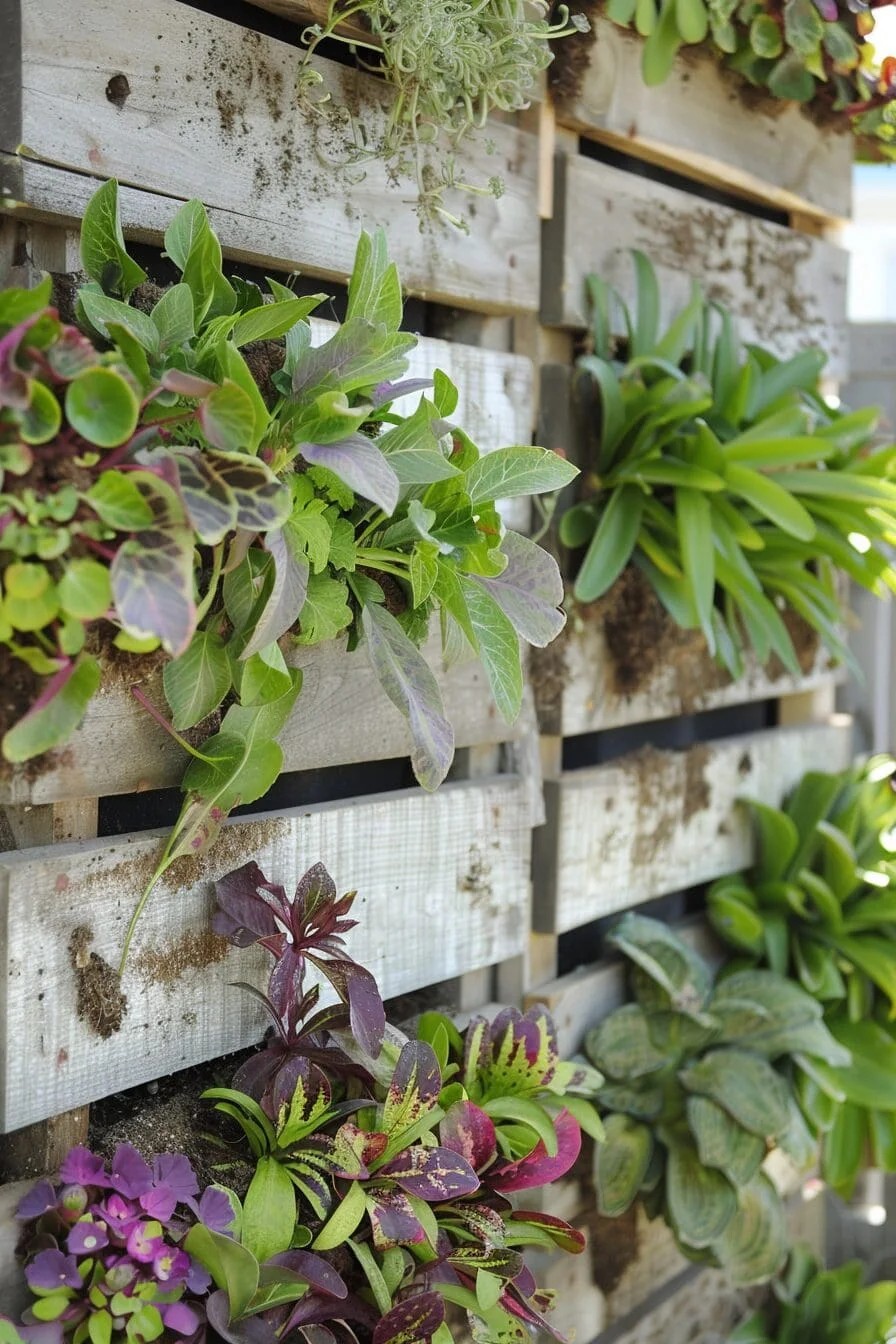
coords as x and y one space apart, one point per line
745 1085
412 1322
432 1174
621 1047
700 1201
414 1088
621 1163
643 1099
754 1244
674 967
392 1218
466 1129
722 1142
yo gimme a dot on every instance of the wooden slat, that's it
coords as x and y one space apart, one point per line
443 882
590 699
212 113
697 123
787 290
312 11
13 1294
656 822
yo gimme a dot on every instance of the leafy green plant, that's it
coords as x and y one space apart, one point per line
391 1162
151 488
820 906
699 1088
826 1306
814 52
723 474
451 63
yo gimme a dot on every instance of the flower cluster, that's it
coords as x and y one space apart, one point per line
104 1260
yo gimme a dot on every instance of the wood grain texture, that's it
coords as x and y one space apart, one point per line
13 1294
590 698
697 122
787 290
655 822
211 112
444 889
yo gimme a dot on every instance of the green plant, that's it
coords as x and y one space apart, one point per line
826 1306
819 905
451 63
699 1087
807 51
151 488
723 474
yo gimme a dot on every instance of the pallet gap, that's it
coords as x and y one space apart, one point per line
587 944
668 734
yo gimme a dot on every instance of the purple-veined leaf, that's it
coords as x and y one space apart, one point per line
317 1272
262 501
467 1130
358 988
537 1168
287 596
392 1218
383 393
152 581
251 1330
560 1232
408 681
357 461
413 1089
412 1322
55 713
187 384
529 591
432 1174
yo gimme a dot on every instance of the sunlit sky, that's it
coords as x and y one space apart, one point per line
883 39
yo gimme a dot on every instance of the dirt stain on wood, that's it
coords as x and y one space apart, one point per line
100 1002
169 962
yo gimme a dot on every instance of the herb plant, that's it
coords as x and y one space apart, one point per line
151 493
820 906
807 51
451 63
699 1088
826 1306
393 1166
723 474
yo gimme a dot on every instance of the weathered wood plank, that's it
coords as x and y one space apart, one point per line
591 698
655 822
787 290
13 1293
312 11
697 123
210 111
456 863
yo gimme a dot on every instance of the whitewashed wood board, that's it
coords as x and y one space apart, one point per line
211 112
591 701
443 886
661 821
787 289
14 1296
698 123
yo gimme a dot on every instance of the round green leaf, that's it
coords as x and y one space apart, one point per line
102 407
85 590
42 419
31 601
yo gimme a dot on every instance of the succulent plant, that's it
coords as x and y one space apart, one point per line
699 1089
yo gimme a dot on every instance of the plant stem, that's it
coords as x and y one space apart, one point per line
160 719
206 602
391 562
141 905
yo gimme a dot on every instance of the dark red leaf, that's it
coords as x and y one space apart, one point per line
537 1168
411 1322
467 1130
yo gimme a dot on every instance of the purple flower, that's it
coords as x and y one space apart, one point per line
130 1175
215 1209
180 1318
39 1199
145 1241
198 1278
82 1167
171 1265
52 1269
118 1213
86 1237
173 1182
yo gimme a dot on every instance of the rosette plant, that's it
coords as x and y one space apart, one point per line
699 1088
154 496
819 905
389 1159
721 472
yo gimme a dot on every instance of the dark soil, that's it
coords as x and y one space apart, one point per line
101 1003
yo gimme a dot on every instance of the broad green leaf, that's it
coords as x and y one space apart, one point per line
100 309
612 544
231 1265
498 646
870 1080
56 713
325 612
117 501
343 1221
508 472
777 841
621 1163
754 1245
620 1045
700 1201
84 590
228 418
269 1210
529 590
408 681
174 317
770 499
723 1143
269 321
102 407
103 251
197 681
746 1085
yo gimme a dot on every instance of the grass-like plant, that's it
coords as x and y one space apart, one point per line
819 905
724 475
699 1087
451 62
824 1306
